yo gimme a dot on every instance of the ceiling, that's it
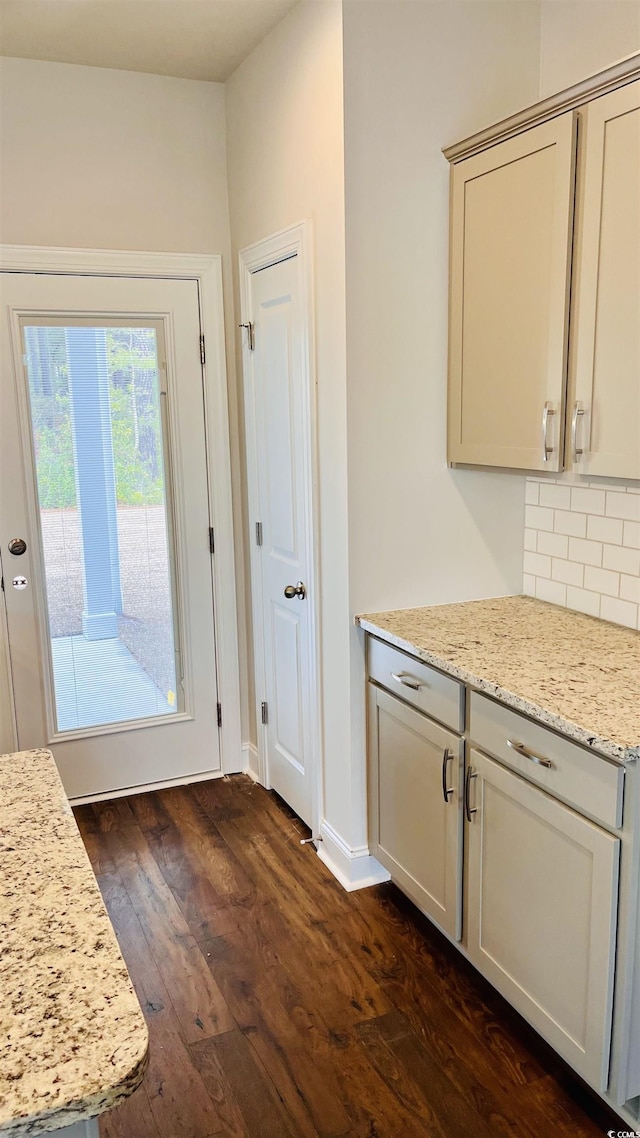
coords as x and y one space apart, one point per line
190 39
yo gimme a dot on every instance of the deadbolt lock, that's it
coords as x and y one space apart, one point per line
17 546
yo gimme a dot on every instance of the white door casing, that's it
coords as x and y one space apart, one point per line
279 395
150 281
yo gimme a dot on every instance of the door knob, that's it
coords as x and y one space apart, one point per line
298 590
17 546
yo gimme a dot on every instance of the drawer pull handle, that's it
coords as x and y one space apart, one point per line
446 791
467 786
408 681
531 755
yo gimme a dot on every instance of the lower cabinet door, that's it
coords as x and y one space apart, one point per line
415 806
541 926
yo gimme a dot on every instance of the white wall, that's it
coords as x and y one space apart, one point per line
93 158
417 77
579 37
285 154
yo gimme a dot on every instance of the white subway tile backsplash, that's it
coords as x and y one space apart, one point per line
551 591
625 506
630 589
569 572
604 529
587 501
554 544
536 564
529 585
557 497
537 518
575 525
587 552
582 546
622 559
602 581
583 601
620 612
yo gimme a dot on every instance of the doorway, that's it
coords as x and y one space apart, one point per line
279 393
108 520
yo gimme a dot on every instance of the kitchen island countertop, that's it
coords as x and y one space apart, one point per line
73 1040
573 673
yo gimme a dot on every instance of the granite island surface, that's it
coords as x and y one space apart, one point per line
574 673
73 1040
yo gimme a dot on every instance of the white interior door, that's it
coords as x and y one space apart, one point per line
103 477
279 422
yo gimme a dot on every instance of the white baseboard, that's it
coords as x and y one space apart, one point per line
250 761
354 868
127 791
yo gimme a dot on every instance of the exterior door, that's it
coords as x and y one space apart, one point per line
104 517
278 417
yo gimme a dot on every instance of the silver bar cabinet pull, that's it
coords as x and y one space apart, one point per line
467 786
520 749
408 681
578 412
446 791
547 413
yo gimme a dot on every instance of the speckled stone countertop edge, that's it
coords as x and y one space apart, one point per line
566 727
82 1109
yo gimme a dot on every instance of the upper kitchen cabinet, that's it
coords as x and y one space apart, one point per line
604 424
538 306
511 224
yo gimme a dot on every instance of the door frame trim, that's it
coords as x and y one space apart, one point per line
206 270
294 241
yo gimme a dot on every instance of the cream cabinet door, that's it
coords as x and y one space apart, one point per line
542 912
416 806
511 223
605 410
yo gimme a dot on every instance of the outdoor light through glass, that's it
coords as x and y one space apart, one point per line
100 447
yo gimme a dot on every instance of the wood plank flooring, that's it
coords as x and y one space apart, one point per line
280 1006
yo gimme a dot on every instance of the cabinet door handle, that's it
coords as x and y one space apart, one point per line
578 412
446 791
408 681
547 413
467 786
533 757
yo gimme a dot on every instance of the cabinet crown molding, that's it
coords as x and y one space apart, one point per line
617 75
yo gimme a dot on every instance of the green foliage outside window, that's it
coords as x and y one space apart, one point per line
135 416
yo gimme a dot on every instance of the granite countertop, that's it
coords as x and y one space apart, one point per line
574 673
73 1041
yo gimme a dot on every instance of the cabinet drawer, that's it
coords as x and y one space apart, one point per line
418 684
576 775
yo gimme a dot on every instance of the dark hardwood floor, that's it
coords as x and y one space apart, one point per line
280 1006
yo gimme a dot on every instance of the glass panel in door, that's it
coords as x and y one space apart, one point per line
100 449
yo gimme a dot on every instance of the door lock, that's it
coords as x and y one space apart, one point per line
17 546
20 583
298 590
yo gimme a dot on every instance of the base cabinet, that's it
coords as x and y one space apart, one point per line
541 912
415 782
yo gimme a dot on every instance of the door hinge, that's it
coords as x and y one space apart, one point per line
251 334
212 540
203 355
265 712
219 710
258 533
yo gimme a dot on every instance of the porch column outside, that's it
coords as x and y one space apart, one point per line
95 479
